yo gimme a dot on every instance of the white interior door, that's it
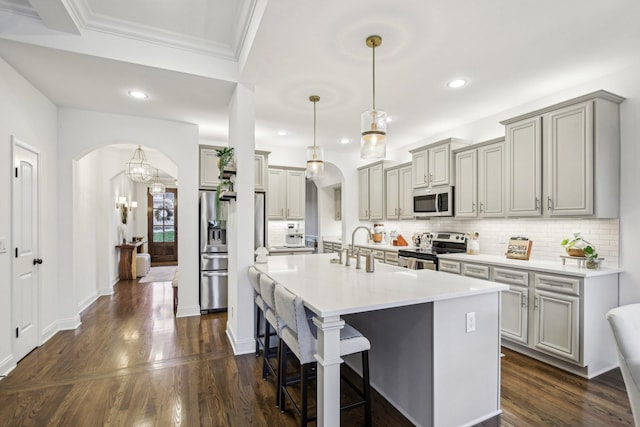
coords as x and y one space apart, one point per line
25 244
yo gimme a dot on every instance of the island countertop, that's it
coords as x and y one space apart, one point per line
331 289
418 323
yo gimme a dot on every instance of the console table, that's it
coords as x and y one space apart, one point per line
128 259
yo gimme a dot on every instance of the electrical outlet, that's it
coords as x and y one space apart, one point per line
471 321
3 245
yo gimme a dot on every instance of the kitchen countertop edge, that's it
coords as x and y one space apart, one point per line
540 266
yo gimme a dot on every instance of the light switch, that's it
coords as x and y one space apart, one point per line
471 321
3 245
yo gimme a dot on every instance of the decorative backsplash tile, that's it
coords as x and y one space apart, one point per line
546 234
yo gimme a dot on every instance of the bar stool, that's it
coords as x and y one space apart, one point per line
260 307
267 289
298 333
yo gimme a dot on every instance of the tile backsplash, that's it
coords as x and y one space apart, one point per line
278 230
545 233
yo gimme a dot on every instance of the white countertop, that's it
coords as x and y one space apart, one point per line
332 239
277 249
570 268
333 290
383 246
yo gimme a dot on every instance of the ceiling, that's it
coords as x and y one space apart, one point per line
189 55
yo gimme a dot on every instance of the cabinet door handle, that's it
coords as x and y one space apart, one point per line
425 179
399 211
537 203
549 203
481 207
282 211
288 212
473 207
430 177
537 302
524 300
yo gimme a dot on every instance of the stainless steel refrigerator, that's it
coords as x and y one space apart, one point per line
214 258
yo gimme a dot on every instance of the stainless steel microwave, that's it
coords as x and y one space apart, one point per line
429 202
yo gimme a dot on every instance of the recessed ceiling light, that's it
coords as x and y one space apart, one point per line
345 141
454 84
282 132
138 94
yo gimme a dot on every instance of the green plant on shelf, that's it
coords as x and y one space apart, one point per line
225 155
579 247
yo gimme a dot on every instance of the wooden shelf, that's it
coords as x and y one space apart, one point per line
228 172
228 195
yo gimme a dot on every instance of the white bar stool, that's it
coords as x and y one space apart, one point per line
298 333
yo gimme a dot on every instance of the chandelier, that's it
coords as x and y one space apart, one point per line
156 187
373 122
138 169
315 164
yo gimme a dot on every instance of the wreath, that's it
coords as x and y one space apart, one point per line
163 214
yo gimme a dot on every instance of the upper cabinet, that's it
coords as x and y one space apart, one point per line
209 171
260 165
432 165
286 193
371 190
553 156
480 180
398 192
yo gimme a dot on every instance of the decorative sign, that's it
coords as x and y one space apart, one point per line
519 248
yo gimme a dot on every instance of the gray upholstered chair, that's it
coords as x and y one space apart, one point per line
299 334
267 288
625 323
261 325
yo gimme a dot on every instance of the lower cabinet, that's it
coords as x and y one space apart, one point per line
328 247
556 318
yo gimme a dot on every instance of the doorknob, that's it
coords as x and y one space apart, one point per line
37 261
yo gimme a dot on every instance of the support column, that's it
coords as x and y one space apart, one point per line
328 376
240 232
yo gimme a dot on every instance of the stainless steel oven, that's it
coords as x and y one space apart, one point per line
427 259
436 201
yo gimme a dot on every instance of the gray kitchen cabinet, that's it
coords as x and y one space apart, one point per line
260 170
514 314
371 192
480 180
209 171
557 318
398 192
286 195
432 165
466 192
449 266
553 155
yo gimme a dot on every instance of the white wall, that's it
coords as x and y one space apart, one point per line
31 117
173 143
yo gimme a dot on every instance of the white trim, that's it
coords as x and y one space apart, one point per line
188 311
240 347
7 365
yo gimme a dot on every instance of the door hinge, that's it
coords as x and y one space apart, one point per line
17 333
16 172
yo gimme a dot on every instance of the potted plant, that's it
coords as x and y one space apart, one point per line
576 245
225 156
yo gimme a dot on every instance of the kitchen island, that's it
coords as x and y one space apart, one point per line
435 337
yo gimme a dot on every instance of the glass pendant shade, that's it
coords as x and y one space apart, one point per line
315 154
138 169
315 163
157 187
373 143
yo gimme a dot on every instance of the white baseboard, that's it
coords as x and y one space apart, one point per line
7 365
87 302
240 347
193 310
49 332
69 323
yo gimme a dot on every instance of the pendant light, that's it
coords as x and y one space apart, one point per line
138 169
373 144
157 187
315 163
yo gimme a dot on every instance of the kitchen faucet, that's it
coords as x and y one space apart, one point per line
353 247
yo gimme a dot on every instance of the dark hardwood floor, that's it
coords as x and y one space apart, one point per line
131 363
